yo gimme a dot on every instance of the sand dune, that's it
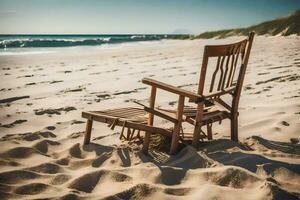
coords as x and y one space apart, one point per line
42 157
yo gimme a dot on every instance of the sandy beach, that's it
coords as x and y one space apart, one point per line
43 92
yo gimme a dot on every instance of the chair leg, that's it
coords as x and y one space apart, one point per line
197 128
132 134
146 142
196 134
234 128
88 130
138 134
209 132
177 126
175 138
128 134
150 120
122 131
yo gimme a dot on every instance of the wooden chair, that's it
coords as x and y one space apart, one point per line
226 80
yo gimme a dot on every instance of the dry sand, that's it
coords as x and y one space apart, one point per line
41 130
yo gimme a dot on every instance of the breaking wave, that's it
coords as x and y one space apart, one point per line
68 41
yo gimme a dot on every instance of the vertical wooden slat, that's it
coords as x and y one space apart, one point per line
222 72
231 69
177 126
233 64
244 49
226 68
150 120
214 75
88 130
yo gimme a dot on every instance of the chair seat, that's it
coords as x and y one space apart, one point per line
211 113
126 114
208 117
130 117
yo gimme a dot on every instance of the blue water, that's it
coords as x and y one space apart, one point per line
40 41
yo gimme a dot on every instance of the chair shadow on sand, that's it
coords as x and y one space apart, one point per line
209 154
174 169
104 152
124 156
217 150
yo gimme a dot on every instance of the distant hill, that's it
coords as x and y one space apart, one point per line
282 26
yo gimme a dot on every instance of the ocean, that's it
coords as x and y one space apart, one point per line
41 41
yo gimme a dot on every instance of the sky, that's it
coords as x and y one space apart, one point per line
136 16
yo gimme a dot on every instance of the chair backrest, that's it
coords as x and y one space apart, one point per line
230 62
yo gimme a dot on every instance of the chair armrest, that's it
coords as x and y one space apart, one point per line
193 97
